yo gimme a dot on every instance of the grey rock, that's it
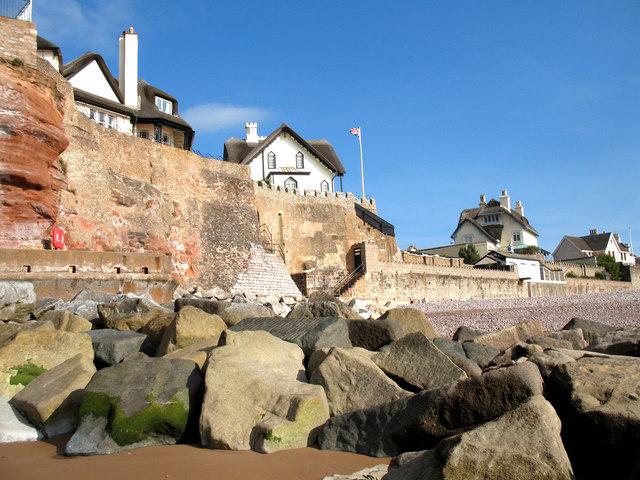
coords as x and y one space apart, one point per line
466 334
621 342
521 444
352 381
411 320
481 354
162 394
212 307
420 422
416 362
17 301
310 334
598 401
374 334
456 354
137 314
550 342
322 308
508 337
44 305
574 336
14 427
112 346
591 329
237 312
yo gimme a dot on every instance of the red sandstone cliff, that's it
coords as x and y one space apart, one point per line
31 139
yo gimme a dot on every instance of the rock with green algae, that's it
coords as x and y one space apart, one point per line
140 402
256 396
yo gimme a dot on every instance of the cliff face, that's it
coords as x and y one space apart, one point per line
31 139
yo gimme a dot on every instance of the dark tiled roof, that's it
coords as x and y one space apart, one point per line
493 206
148 112
44 44
68 70
238 151
591 242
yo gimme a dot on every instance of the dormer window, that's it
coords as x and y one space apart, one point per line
164 105
271 160
299 160
492 218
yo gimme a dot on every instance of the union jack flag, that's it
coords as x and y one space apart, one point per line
355 131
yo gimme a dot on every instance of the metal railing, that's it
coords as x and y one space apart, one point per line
347 281
19 9
267 241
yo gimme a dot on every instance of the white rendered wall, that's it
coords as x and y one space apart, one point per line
526 268
91 79
286 147
123 123
469 229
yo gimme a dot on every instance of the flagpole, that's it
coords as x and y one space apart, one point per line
361 161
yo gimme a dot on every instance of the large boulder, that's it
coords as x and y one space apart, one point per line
213 307
14 427
85 304
191 325
591 329
417 363
574 336
197 352
467 334
411 320
137 314
621 342
256 396
140 402
323 308
352 381
508 337
66 321
457 355
420 422
50 401
112 346
237 312
31 352
598 401
481 354
310 334
523 444
374 334
17 301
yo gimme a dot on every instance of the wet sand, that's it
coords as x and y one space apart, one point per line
40 460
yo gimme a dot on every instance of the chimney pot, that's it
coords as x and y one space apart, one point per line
505 200
483 200
593 231
251 130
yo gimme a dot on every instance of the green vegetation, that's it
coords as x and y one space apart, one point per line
270 437
529 250
16 62
162 419
599 275
610 265
469 253
25 373
571 275
63 166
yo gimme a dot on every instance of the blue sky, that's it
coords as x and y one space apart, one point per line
455 98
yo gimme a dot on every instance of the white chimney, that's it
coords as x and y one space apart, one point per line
483 200
128 67
519 208
251 130
505 200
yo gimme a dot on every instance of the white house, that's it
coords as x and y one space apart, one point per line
585 249
529 268
285 159
497 224
127 104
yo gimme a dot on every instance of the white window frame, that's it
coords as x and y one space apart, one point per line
324 186
271 161
291 184
468 238
516 237
164 105
299 160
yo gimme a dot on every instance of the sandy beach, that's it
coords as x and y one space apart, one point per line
38 460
